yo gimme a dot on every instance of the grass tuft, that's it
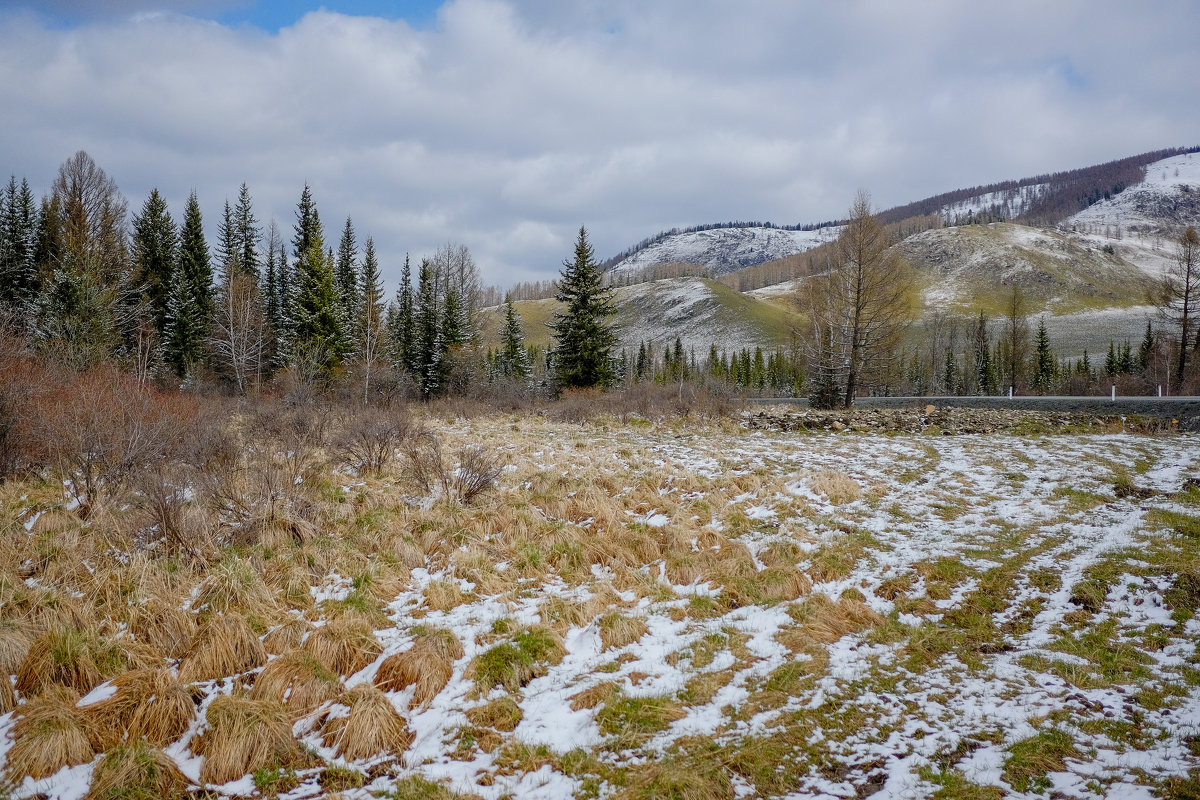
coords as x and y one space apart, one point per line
49 734
372 727
224 646
243 736
137 772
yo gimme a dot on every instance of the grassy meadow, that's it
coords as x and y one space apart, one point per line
440 602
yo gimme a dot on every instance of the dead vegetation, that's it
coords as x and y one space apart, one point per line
442 566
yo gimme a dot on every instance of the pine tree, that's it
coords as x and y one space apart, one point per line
1125 360
1146 350
247 235
195 266
401 333
427 344
584 339
985 369
1110 361
370 318
319 337
155 253
1043 360
18 242
513 359
184 332
228 249
346 272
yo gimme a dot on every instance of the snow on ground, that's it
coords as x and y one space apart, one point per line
726 249
972 551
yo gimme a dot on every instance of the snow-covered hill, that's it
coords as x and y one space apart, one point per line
1167 199
723 250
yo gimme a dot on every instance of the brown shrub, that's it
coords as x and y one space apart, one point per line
369 437
48 735
67 656
137 771
372 727
150 704
223 646
243 736
344 646
296 680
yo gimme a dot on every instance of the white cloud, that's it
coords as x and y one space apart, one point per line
507 125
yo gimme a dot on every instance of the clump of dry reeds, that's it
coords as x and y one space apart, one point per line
164 628
243 736
224 646
373 726
619 630
150 704
287 636
297 680
137 772
344 646
49 734
837 486
68 656
234 584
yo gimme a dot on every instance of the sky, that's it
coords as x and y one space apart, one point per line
505 125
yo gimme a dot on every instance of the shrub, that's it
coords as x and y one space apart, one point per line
478 470
370 437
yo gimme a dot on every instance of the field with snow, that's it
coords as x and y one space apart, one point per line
724 250
675 609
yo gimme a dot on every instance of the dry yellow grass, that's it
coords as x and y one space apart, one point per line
150 704
593 696
443 596
14 646
287 636
421 667
72 657
223 646
297 680
372 727
49 734
244 735
823 620
234 584
165 628
343 646
619 630
503 714
838 487
137 771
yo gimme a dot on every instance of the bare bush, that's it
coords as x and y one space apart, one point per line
478 469
102 430
369 437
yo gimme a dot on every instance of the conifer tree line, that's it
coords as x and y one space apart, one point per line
84 281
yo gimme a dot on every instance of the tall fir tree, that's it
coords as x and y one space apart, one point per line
319 338
184 330
370 317
1146 350
228 249
427 329
346 273
18 243
247 235
1044 366
401 333
985 368
513 360
195 266
155 256
584 337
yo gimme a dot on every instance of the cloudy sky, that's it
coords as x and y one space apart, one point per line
506 124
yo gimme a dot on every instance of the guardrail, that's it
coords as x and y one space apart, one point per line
1180 408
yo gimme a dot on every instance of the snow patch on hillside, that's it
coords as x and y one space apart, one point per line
1007 202
723 250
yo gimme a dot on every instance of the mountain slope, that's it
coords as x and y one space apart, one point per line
699 311
723 250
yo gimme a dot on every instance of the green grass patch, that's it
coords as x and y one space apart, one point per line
1031 760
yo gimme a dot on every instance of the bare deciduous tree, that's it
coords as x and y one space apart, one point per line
862 305
241 333
1178 296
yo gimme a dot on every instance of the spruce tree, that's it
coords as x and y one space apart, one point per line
18 241
370 318
400 328
194 264
346 272
319 337
247 235
427 345
1146 350
155 253
584 338
1043 360
228 248
1110 361
184 333
513 359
